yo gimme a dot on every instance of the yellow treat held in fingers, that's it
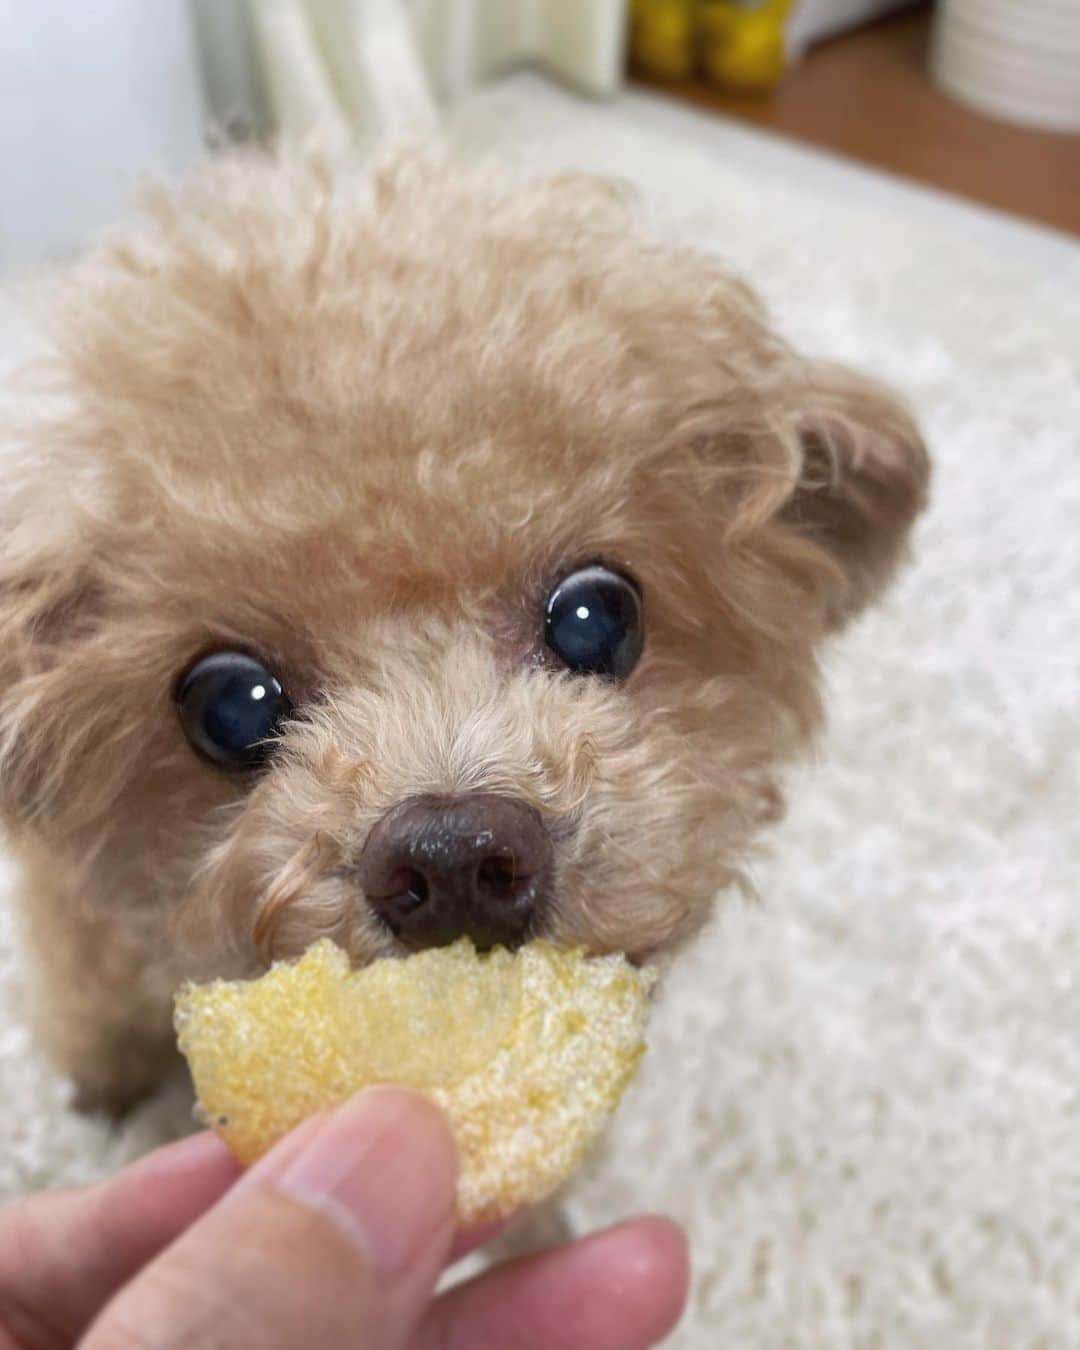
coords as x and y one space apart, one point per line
527 1053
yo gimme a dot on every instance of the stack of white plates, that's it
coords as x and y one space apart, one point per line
1019 59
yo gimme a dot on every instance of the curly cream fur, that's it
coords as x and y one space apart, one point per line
360 425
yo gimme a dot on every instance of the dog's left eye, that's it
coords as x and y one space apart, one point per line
231 707
594 622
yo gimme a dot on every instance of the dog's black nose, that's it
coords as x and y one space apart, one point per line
439 868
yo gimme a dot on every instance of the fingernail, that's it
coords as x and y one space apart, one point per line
384 1166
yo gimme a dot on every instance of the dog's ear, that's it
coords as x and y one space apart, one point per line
50 602
864 479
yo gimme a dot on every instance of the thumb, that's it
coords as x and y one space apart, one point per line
336 1237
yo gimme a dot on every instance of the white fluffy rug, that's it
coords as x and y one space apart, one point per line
863 1097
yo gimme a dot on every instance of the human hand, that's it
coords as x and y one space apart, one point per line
336 1238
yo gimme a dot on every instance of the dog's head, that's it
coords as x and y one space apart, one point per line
423 556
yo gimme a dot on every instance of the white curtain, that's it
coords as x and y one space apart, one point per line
95 94
383 63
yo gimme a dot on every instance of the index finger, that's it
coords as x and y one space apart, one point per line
64 1254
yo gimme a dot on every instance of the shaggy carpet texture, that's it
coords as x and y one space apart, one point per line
862 1096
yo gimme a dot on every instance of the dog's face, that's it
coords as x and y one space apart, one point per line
431 557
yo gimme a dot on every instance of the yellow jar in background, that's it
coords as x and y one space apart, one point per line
742 46
662 38
737 44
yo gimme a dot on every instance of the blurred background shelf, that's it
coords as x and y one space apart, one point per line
866 95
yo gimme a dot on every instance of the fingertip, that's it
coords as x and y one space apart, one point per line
623 1288
647 1261
384 1166
415 1119
416 1114
172 1185
202 1152
417 1125
661 1249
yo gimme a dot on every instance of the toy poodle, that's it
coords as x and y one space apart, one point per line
406 555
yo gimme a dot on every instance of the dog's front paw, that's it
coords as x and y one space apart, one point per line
114 1088
115 1099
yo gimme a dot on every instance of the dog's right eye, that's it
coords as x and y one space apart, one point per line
231 707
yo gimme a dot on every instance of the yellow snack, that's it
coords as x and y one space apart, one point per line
527 1054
